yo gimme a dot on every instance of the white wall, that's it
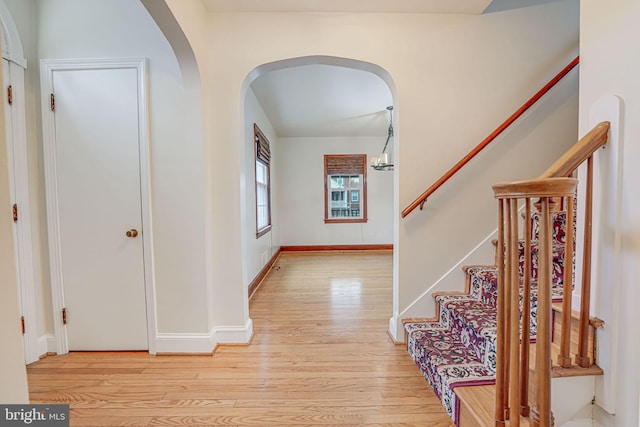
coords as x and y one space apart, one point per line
258 250
454 79
610 66
301 193
121 28
13 387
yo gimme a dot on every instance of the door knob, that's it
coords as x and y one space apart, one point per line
132 233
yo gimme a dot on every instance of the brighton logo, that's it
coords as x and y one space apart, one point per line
34 415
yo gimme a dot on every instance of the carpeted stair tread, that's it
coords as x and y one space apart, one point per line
474 322
446 363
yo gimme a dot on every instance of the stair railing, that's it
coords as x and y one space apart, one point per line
421 200
555 185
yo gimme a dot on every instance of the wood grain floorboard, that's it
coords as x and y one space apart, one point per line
320 356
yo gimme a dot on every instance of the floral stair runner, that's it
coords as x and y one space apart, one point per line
459 347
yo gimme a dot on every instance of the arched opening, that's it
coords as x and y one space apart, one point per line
309 107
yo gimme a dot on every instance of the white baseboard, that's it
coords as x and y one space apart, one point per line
587 422
397 335
47 344
602 418
177 343
191 343
203 343
235 334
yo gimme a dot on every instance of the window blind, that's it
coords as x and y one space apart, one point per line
345 164
262 145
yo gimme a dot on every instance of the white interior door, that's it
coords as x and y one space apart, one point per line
97 157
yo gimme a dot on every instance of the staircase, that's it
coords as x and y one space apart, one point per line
458 348
476 354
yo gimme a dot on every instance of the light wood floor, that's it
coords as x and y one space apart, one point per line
320 356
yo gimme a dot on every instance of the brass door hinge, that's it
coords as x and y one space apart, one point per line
53 102
10 95
64 316
23 327
15 213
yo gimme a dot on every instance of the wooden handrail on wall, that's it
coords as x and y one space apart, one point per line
513 341
420 201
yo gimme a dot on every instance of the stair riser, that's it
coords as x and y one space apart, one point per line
558 227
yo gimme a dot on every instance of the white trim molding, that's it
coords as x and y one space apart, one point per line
396 334
235 334
203 343
19 172
48 66
47 345
188 343
11 42
452 280
19 176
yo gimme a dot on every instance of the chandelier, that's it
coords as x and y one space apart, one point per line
383 161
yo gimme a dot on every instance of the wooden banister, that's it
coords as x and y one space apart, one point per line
493 135
512 344
579 152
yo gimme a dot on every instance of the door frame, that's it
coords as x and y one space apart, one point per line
12 52
47 68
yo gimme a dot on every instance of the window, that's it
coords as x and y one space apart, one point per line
263 182
345 188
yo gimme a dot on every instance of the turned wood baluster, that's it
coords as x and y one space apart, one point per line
507 289
564 358
526 314
542 411
514 316
582 358
501 376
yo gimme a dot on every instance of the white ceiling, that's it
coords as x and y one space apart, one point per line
324 101
401 6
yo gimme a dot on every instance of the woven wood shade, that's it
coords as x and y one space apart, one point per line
345 164
263 152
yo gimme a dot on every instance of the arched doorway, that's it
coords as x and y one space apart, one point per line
319 74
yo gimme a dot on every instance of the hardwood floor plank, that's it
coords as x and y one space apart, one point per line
320 356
